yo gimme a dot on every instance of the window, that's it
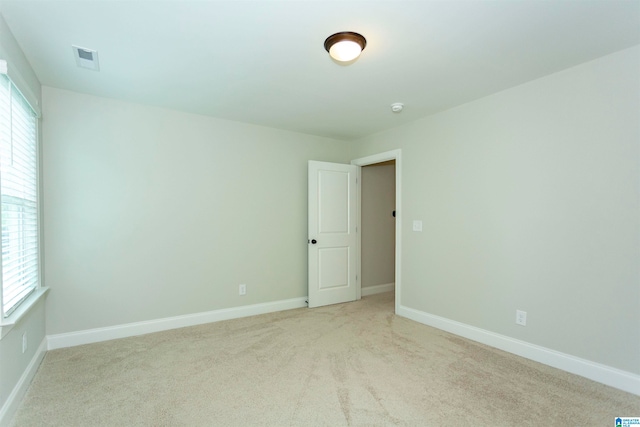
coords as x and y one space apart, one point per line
20 270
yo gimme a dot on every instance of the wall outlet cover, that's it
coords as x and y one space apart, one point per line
521 317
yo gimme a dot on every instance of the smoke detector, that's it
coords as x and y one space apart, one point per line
86 58
397 107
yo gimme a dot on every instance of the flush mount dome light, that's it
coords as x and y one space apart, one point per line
345 46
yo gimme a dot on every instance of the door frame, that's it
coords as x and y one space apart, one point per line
370 160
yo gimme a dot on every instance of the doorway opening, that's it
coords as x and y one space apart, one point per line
379 201
377 228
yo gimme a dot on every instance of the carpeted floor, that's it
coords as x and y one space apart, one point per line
349 364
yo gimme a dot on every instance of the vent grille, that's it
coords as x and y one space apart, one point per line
86 58
85 54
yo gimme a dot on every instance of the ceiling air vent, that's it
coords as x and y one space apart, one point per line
86 58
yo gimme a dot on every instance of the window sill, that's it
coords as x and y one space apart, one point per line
8 323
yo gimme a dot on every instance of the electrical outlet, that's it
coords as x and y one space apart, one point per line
521 317
242 289
24 343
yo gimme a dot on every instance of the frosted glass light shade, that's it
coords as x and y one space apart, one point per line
345 51
345 46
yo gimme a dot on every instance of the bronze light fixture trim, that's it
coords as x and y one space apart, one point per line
345 46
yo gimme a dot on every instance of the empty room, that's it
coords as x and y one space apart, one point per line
290 213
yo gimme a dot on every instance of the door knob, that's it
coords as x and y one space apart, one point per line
314 241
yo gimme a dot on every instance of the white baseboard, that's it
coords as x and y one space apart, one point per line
377 289
140 328
15 398
613 377
604 374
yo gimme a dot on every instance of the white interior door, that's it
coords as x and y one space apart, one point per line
333 240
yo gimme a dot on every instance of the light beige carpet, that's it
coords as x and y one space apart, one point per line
350 364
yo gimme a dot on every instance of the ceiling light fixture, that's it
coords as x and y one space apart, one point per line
345 46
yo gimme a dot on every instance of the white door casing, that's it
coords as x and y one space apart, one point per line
333 225
379 158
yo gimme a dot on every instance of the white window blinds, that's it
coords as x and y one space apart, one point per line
18 197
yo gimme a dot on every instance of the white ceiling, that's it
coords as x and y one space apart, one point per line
263 62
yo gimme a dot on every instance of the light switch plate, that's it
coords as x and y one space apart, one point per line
417 225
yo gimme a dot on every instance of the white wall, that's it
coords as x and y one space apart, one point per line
530 200
16 370
13 363
378 201
152 213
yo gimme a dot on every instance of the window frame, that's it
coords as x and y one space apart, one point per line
35 293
